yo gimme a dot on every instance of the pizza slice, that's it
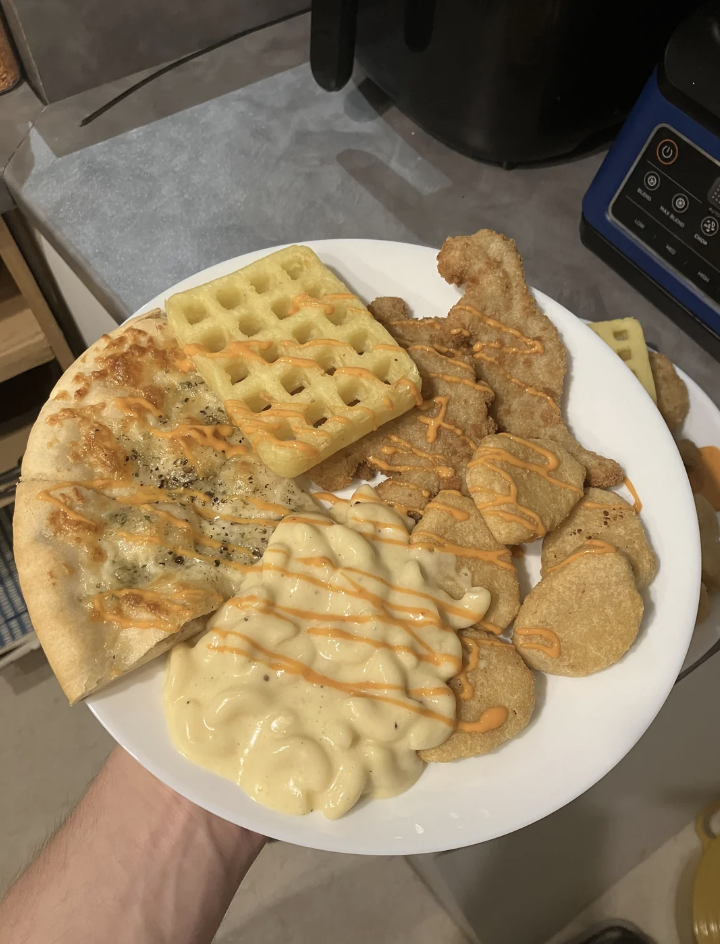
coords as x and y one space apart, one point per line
139 510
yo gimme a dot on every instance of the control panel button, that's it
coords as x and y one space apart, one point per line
652 180
710 226
667 151
680 203
714 193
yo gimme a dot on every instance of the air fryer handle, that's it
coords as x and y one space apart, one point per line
332 42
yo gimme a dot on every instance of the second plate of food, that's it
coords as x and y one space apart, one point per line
582 727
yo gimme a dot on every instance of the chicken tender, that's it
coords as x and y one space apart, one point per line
493 676
523 487
516 348
452 522
673 399
584 614
432 443
607 517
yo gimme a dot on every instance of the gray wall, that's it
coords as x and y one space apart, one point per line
69 46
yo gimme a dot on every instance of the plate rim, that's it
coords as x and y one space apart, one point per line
325 840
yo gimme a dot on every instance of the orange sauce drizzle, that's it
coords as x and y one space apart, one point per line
471 662
532 345
136 406
490 627
214 437
591 546
324 302
412 387
301 519
278 662
457 513
436 423
329 497
184 551
47 496
434 542
449 378
637 504
181 601
426 615
480 355
488 456
606 506
403 447
334 632
551 648
272 507
489 720
437 350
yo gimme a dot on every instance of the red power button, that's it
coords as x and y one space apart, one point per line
667 151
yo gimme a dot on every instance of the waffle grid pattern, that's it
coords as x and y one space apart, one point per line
299 362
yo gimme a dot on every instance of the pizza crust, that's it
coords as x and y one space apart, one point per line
85 653
151 530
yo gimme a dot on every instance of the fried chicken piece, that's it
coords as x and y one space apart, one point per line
603 516
495 675
523 487
672 395
431 443
582 617
516 348
452 522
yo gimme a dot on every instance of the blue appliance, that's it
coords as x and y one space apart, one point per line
653 210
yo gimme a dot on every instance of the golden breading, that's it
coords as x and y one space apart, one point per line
406 493
603 516
709 538
581 617
516 348
434 440
452 521
693 462
672 395
523 487
494 675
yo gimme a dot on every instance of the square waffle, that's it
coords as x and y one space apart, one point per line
625 336
301 365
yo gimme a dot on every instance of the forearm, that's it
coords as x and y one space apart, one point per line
134 864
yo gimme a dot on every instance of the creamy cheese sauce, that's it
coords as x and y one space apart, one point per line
319 682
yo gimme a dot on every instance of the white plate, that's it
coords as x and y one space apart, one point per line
703 427
582 727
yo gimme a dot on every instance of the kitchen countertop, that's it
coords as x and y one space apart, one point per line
19 109
240 149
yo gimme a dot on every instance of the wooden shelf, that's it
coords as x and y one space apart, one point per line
12 447
23 344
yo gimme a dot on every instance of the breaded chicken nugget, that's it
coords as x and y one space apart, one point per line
672 395
583 616
453 523
516 348
523 487
607 517
493 676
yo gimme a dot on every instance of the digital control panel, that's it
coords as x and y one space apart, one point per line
670 202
